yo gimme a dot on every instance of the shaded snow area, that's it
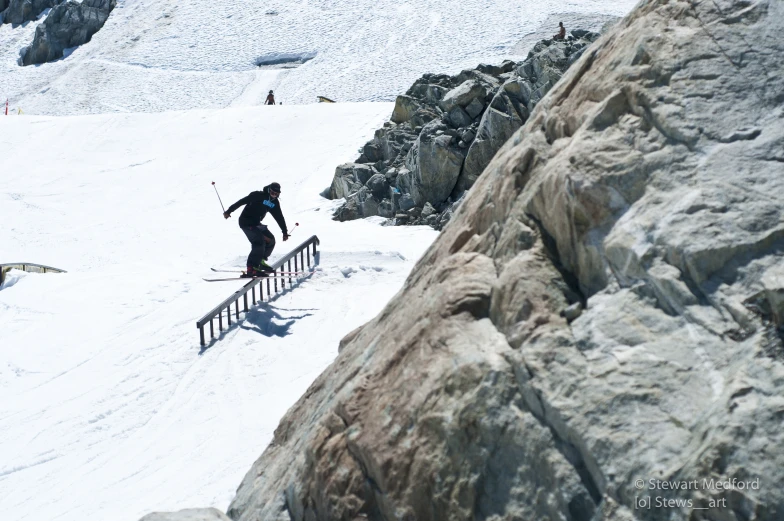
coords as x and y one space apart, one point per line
154 55
110 408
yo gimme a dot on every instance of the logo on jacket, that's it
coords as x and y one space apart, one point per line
269 203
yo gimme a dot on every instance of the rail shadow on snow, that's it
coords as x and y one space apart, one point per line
269 322
265 318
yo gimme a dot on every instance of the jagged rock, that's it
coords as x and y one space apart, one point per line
405 106
463 94
427 210
422 117
459 117
3 6
469 397
475 108
435 165
349 211
67 25
369 207
21 11
496 70
349 178
461 102
386 209
403 181
468 135
373 151
190 514
378 185
406 203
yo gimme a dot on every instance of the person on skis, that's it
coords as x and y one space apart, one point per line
257 204
270 99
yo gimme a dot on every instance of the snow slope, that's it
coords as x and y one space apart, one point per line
110 407
155 55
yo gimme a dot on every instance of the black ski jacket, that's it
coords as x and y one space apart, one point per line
257 204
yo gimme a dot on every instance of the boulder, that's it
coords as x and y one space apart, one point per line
373 151
369 207
68 25
458 117
463 94
406 203
403 181
21 11
435 165
386 209
190 514
378 185
405 106
475 108
348 178
349 211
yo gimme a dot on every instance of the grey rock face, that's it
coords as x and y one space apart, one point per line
638 189
477 110
21 11
67 25
435 166
190 514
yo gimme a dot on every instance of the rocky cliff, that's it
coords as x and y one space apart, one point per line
68 25
21 11
443 133
606 306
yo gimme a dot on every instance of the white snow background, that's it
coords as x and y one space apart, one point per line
155 55
110 409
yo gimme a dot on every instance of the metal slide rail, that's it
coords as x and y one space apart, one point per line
26 266
299 255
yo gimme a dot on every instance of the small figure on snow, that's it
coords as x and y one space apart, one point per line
270 99
257 204
561 33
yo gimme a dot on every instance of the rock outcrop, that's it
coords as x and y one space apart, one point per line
443 133
21 11
604 307
67 25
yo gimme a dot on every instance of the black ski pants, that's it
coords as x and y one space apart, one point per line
262 243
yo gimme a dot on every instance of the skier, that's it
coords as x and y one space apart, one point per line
257 204
270 99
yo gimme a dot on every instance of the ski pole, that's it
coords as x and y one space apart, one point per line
219 199
292 230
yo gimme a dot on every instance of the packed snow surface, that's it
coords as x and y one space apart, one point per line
154 55
110 407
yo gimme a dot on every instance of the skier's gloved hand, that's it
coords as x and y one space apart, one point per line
226 215
285 236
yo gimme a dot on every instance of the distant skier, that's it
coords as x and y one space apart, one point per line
270 99
257 204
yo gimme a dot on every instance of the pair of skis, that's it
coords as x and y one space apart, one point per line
271 275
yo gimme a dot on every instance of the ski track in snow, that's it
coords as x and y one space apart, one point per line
110 407
152 56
